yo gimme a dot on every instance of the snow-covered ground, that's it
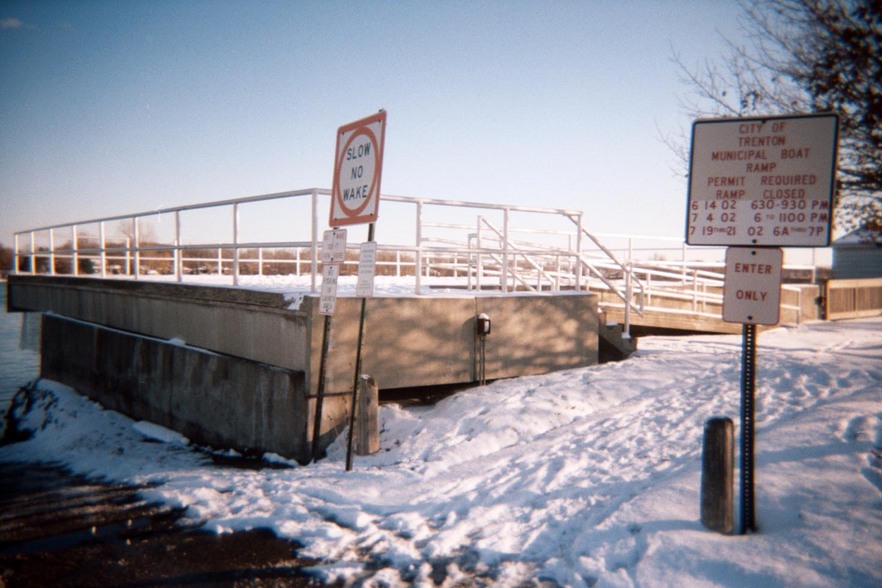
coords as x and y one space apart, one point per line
578 478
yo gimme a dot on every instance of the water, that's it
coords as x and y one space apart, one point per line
17 366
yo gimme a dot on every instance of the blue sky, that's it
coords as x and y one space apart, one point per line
116 107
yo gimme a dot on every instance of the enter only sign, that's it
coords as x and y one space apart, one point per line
357 170
752 290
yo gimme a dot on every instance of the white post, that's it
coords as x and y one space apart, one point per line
101 244
74 255
628 295
17 265
504 275
579 255
235 243
33 254
313 266
137 246
178 253
418 268
52 252
480 262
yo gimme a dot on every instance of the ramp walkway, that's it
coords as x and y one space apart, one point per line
433 244
206 318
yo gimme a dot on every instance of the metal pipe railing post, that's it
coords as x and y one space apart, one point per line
629 295
137 243
103 249
51 252
418 267
33 254
178 252
74 255
236 244
683 260
313 258
505 245
579 245
480 264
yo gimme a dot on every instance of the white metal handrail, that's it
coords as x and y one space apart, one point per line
513 255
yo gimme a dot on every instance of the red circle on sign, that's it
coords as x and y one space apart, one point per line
373 139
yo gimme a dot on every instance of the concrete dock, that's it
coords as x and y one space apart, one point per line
241 368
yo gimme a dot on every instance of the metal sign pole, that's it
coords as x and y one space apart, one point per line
748 386
320 398
353 412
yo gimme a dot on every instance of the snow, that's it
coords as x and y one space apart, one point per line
587 477
159 433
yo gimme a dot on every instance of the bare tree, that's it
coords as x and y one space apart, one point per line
805 56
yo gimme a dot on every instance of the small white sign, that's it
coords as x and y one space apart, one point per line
334 246
328 296
367 266
752 290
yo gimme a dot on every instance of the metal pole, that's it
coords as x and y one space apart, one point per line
320 395
579 255
179 254
137 239
359 345
748 385
52 252
629 293
505 251
236 244
418 268
103 244
313 259
74 253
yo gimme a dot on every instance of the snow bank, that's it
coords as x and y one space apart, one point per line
577 478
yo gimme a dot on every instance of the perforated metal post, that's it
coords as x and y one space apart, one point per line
748 385
351 441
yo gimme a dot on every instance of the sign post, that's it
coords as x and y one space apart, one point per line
756 184
751 296
333 253
355 199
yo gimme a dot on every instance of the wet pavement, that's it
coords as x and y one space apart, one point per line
58 529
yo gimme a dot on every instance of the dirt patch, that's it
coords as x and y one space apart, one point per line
62 530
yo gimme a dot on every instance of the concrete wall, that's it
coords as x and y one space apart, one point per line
408 342
212 399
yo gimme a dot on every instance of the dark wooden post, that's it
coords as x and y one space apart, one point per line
718 475
368 422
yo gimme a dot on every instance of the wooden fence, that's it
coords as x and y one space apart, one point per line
854 298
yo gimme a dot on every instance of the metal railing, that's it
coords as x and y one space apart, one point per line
504 248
